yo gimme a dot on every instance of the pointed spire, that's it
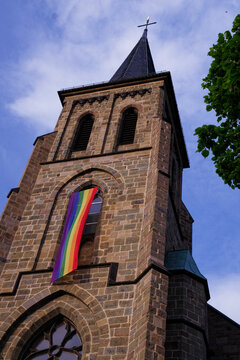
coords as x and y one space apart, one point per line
139 62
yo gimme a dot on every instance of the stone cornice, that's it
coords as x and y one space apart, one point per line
90 100
112 275
132 93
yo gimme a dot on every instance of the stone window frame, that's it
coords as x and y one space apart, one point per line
86 237
57 305
73 147
100 192
48 327
120 126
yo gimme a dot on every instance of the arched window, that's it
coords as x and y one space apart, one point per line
57 340
127 126
87 242
83 133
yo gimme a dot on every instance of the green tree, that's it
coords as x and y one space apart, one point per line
223 84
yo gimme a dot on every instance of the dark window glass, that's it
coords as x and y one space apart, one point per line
83 133
128 126
58 340
87 242
93 217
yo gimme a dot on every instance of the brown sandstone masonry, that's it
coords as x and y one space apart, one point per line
17 200
118 297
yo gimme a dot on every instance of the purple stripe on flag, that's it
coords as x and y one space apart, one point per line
65 230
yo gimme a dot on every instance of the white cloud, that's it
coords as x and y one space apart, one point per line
225 294
88 42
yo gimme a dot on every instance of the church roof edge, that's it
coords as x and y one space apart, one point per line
181 261
110 84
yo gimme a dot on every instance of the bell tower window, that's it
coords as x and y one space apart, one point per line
128 126
83 133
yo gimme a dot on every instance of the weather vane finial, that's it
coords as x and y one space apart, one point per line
147 23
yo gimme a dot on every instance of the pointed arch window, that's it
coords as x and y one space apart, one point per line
128 126
57 340
77 214
89 232
83 133
93 216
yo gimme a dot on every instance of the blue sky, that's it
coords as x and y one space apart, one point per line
47 45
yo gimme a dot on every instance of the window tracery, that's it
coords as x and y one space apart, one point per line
58 340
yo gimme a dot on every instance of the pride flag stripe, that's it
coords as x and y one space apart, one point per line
78 209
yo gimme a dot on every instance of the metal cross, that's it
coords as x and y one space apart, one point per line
147 23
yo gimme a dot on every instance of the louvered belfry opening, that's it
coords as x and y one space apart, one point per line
83 133
128 126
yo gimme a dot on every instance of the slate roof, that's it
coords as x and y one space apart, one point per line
182 260
139 62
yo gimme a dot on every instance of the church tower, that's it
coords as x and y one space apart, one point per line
137 292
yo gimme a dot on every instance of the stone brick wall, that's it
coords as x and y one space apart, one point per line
186 221
118 295
156 334
187 331
107 107
173 231
179 228
224 336
17 201
179 221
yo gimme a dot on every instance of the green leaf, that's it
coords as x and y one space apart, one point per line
205 153
223 85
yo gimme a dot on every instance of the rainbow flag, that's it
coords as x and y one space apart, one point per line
67 258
